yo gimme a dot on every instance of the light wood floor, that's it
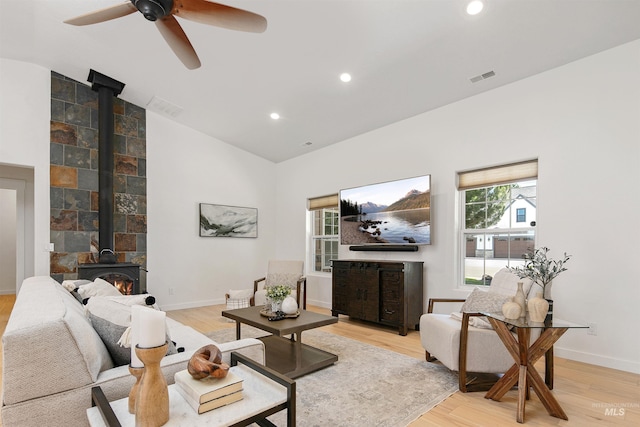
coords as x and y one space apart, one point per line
584 391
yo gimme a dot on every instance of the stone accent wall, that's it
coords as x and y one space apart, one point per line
74 178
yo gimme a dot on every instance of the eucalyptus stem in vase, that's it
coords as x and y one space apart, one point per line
540 268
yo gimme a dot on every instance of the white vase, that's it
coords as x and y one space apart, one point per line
289 305
538 308
511 309
547 290
521 299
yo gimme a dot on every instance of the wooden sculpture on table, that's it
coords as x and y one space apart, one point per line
207 362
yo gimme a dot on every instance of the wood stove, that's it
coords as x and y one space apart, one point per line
125 276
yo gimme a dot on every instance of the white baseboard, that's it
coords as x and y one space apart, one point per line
194 304
7 291
598 360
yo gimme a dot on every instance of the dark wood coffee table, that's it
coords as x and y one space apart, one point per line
288 356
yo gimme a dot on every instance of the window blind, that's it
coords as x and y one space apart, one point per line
323 202
498 175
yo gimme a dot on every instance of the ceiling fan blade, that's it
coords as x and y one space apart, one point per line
178 41
219 15
106 14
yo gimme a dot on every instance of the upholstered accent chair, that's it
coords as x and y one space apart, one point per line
465 341
282 272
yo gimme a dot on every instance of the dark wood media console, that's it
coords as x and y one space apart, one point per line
384 292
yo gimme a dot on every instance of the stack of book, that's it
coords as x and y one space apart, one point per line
208 393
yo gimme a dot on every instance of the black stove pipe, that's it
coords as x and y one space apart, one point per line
107 89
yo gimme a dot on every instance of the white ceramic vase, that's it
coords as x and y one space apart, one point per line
511 309
538 308
289 305
521 299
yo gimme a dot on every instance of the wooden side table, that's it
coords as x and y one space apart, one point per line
265 393
525 356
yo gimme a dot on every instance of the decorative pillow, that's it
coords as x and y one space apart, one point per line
111 319
289 279
506 283
72 285
482 301
99 287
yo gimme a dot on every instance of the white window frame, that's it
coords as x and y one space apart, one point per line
321 205
484 178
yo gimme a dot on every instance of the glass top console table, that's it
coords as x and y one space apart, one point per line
525 356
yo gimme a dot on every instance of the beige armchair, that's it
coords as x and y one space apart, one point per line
464 341
289 273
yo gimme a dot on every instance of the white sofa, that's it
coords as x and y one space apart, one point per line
52 357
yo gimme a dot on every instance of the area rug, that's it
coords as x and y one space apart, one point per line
367 386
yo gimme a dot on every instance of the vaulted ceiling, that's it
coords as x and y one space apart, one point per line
406 57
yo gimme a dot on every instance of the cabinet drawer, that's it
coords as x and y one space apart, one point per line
390 312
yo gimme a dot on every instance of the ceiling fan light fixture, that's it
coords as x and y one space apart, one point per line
275 116
345 77
475 7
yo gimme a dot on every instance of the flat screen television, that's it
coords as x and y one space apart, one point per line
388 213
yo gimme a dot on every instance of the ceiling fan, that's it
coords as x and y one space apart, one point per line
163 13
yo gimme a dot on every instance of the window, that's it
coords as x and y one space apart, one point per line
494 230
324 244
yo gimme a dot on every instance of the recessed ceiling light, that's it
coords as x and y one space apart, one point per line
345 77
275 116
474 7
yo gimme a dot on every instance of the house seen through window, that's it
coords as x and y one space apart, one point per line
498 219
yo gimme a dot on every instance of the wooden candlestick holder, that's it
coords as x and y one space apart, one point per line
137 373
152 401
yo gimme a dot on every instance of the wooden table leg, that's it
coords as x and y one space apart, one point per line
237 330
523 371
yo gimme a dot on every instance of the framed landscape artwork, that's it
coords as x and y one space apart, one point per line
228 221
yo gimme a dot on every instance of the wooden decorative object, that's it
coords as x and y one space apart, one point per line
207 362
152 401
133 394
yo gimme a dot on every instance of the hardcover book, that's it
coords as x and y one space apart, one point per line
207 389
201 408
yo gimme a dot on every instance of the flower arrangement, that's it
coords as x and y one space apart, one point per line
278 292
540 268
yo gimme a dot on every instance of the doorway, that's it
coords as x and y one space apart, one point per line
12 234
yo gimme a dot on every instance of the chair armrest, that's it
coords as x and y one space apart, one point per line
255 283
434 300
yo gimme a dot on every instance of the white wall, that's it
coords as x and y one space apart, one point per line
582 121
25 112
185 168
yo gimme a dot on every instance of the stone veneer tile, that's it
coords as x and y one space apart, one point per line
118 106
88 221
63 133
125 203
61 176
57 238
56 154
63 262
64 220
136 223
57 110
119 223
95 201
141 242
136 185
142 167
132 110
86 96
119 144
88 180
64 90
136 147
94 159
127 126
77 241
141 201
87 258
126 165
125 242
77 157
77 199
77 115
87 137
119 184
56 197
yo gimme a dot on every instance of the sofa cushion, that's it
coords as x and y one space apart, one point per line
111 317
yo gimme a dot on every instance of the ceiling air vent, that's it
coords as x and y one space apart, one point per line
162 106
483 76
